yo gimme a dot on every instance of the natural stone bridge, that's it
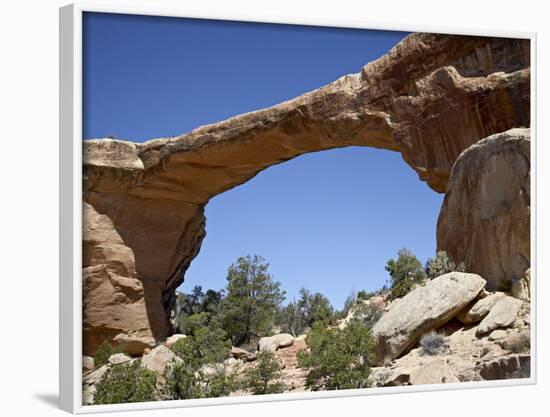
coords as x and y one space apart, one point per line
429 98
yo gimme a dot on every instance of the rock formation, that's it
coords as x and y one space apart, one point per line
485 218
429 98
421 310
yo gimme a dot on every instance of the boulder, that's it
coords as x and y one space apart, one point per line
87 364
155 192
517 342
502 315
94 377
158 359
118 358
511 366
486 214
498 334
169 342
242 354
521 287
277 341
389 377
422 310
433 372
479 309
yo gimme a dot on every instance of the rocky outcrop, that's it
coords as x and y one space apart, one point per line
479 308
502 315
422 310
158 361
242 354
485 217
170 341
272 343
429 98
114 304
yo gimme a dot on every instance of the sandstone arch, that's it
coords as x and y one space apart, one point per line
429 98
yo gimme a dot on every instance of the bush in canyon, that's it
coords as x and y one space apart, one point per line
433 343
405 271
442 264
261 379
186 381
205 345
103 352
368 314
253 300
337 358
126 383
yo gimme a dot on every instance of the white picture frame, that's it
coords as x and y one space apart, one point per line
70 154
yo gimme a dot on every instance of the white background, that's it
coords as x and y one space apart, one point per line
29 196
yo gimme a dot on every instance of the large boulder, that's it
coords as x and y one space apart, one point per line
119 358
158 360
242 354
422 310
272 343
502 315
479 308
485 219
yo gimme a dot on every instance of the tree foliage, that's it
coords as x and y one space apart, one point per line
337 359
260 380
298 316
405 271
253 300
103 352
442 264
197 302
126 383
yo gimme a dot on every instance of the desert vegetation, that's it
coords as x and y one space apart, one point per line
245 340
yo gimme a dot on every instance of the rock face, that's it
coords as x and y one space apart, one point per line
422 310
114 303
429 98
485 217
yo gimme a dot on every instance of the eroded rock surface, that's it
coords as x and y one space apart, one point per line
429 98
485 217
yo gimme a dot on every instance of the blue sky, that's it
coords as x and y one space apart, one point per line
329 220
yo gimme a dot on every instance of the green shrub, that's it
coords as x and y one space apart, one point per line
126 383
433 343
442 264
259 379
253 300
103 352
220 384
337 359
405 271
181 382
368 314
207 345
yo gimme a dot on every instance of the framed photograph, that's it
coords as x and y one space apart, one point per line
366 190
